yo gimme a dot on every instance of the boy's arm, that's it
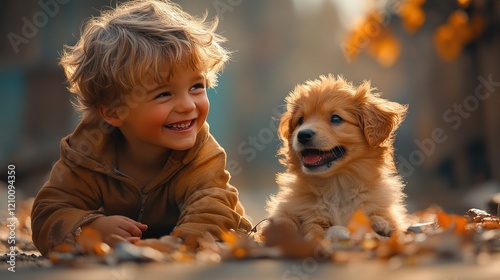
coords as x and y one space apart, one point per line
209 203
63 204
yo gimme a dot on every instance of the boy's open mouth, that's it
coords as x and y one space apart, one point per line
178 126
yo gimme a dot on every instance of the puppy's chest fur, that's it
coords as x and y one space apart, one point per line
336 202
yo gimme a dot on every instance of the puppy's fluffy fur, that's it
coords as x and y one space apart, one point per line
338 153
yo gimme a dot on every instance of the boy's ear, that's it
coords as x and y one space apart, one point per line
110 116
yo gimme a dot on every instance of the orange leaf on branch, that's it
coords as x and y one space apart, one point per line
450 38
385 49
363 33
448 46
464 3
412 15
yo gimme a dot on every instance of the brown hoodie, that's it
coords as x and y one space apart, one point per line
192 194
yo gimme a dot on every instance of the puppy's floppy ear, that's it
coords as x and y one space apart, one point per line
284 126
378 117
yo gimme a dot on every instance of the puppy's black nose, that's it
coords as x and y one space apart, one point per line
305 135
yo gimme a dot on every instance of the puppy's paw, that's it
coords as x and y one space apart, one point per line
335 233
381 225
312 231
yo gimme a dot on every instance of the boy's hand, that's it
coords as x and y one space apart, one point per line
119 226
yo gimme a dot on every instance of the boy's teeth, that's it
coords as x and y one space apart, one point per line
179 125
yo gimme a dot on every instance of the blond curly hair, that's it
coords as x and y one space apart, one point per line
118 49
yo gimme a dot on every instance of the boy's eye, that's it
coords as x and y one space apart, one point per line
197 86
163 94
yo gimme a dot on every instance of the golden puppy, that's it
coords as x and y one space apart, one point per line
338 153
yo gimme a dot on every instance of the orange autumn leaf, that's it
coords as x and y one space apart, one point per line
371 25
90 241
63 248
385 49
444 220
491 223
477 24
379 42
448 46
350 47
58 258
390 247
238 246
461 224
359 222
230 237
181 256
239 253
291 243
450 38
466 28
447 221
416 2
362 34
412 15
102 249
458 19
155 244
464 3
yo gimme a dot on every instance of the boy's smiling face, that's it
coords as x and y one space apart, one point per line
168 115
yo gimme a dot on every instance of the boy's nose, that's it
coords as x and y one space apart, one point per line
186 103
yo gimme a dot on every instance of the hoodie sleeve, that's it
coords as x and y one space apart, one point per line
63 204
207 201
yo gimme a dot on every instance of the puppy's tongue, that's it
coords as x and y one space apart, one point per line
311 158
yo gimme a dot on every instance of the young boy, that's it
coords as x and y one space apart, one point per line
142 162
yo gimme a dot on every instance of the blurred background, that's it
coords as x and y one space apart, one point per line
440 57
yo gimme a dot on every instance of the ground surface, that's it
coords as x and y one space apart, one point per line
453 247
262 269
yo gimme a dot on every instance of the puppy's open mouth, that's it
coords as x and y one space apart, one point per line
314 158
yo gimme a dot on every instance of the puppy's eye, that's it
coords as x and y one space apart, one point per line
336 119
300 121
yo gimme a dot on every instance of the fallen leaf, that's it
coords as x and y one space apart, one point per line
447 221
155 244
291 243
359 223
90 242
